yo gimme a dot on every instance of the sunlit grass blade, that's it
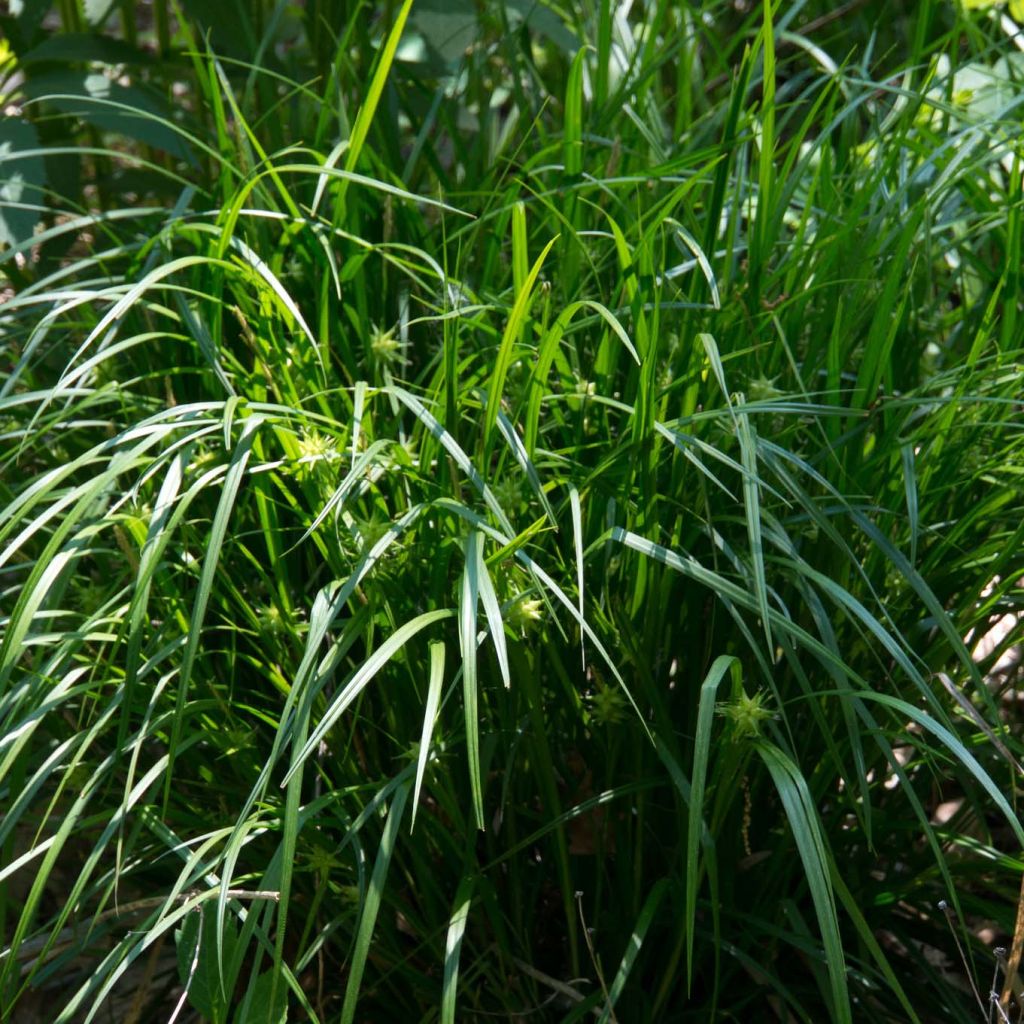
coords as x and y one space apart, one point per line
453 946
577 536
492 609
368 108
437 652
468 599
361 679
516 319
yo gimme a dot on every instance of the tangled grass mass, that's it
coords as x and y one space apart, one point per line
511 510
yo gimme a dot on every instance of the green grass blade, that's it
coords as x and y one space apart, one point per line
508 431
453 946
695 819
371 904
634 946
437 652
468 600
577 537
957 749
806 830
752 509
368 109
360 679
503 360
495 623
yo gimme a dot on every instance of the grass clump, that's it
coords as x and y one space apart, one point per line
498 508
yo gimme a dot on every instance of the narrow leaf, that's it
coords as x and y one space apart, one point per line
371 904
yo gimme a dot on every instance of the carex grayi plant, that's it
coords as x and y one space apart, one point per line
503 510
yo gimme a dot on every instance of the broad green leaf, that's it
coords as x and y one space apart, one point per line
98 11
22 177
269 1001
196 943
448 27
86 47
126 110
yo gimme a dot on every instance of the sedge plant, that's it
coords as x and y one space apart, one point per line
498 506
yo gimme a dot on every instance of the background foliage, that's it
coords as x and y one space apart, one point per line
498 505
